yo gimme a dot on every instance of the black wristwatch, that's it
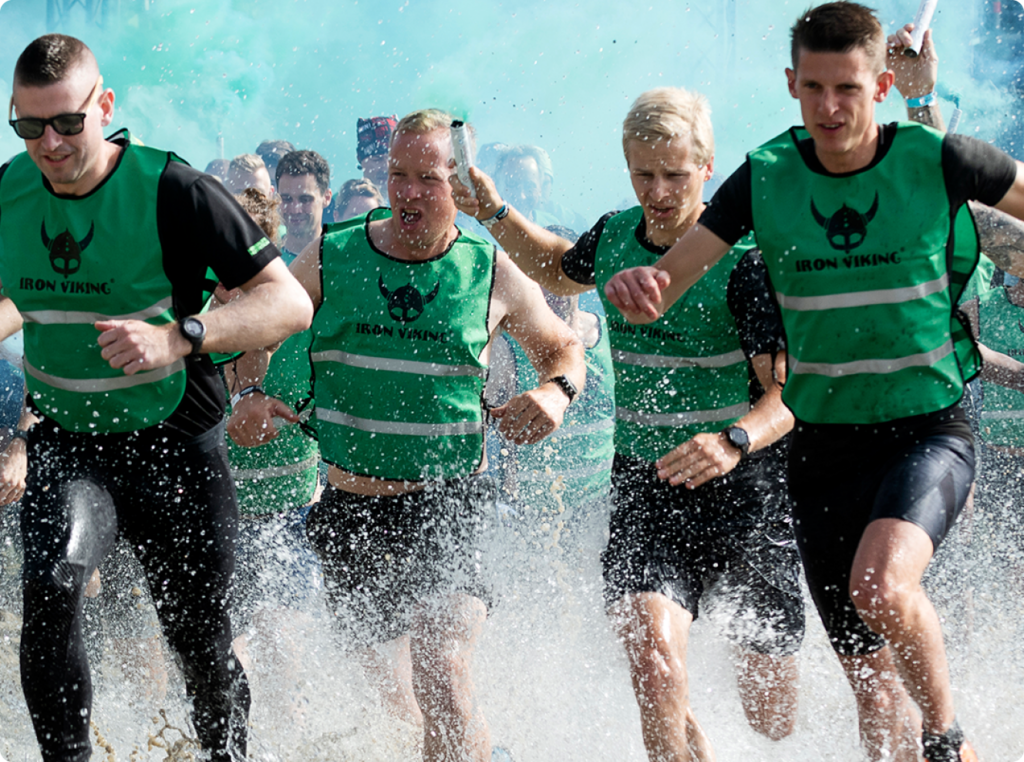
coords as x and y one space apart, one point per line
194 331
568 387
739 439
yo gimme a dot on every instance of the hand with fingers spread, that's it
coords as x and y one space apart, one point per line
252 419
915 77
637 292
529 417
136 345
13 469
699 460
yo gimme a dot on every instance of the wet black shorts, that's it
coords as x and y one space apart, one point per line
730 537
843 478
382 556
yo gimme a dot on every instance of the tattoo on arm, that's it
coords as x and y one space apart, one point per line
930 116
1000 235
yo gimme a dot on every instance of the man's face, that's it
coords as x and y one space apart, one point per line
375 169
67 161
418 189
668 183
302 205
838 93
356 205
238 181
521 183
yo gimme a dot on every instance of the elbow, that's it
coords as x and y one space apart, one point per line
297 308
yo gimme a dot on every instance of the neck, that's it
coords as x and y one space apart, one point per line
669 236
854 159
295 244
385 239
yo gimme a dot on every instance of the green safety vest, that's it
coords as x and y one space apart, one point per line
868 269
1001 325
397 371
573 465
67 262
682 374
281 474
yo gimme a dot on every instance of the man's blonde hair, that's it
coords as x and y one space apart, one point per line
246 162
665 113
423 121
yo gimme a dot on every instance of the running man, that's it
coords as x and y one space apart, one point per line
699 501
104 246
407 305
863 235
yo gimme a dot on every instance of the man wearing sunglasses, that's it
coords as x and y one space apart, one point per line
104 250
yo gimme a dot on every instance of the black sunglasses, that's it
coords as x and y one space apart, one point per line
32 128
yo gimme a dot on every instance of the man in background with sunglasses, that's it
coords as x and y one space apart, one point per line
104 249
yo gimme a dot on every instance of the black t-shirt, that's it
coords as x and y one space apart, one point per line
972 169
748 296
200 226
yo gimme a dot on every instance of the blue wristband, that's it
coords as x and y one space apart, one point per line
924 100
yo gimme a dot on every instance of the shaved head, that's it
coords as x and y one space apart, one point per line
54 58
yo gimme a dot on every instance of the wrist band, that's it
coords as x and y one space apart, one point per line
495 218
19 434
924 100
246 391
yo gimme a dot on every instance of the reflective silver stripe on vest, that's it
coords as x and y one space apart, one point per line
679 419
586 428
87 385
253 474
61 317
399 366
878 367
573 473
1002 414
399 427
666 361
863 298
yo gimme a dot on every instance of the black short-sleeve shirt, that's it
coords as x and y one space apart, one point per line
748 295
201 227
972 169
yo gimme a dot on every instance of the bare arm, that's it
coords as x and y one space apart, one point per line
1001 236
519 308
251 423
916 77
710 455
10 318
643 294
272 307
538 252
1001 369
14 460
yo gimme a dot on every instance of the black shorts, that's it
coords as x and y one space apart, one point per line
730 537
844 477
382 556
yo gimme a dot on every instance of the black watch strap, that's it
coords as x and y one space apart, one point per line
194 331
567 386
738 438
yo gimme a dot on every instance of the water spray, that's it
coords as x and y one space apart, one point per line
463 148
922 21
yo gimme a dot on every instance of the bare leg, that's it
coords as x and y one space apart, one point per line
769 689
889 723
655 632
885 585
443 638
143 664
388 667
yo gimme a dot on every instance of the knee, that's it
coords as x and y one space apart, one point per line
659 676
879 598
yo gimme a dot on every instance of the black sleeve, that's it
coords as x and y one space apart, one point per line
753 307
202 226
730 215
975 170
580 263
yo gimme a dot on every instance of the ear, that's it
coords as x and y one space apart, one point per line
327 198
106 103
884 85
709 169
791 80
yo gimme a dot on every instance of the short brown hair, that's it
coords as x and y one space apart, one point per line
839 28
305 162
49 59
264 211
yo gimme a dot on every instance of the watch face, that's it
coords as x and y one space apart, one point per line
738 438
193 328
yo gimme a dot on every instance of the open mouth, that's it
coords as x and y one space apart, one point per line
834 127
410 217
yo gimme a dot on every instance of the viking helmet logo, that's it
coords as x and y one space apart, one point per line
65 251
847 228
405 304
